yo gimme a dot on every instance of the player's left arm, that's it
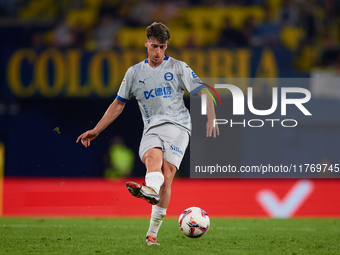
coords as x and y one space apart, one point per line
211 126
187 76
112 112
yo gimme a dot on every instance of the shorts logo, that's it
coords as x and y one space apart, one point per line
168 76
175 148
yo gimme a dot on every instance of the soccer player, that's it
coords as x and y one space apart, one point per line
158 83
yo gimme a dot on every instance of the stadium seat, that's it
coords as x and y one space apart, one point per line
179 36
255 11
274 5
132 37
291 37
36 9
86 17
206 22
93 3
306 60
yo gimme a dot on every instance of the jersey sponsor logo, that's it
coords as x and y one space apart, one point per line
146 113
148 94
197 80
168 76
164 92
175 148
194 75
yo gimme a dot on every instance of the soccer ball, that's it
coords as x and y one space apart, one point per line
194 222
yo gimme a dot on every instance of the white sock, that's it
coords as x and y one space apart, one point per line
157 216
154 180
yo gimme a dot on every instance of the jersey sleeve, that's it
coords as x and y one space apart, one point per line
124 93
190 80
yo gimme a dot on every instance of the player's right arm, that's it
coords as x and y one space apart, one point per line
112 112
115 109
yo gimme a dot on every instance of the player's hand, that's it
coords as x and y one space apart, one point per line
211 129
87 137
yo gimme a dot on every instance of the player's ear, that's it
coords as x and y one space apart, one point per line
146 42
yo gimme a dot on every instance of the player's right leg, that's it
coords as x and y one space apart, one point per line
153 160
143 192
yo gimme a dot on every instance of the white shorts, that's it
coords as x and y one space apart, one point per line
173 140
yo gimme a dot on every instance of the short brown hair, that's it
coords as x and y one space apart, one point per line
159 31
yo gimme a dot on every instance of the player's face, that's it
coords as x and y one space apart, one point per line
156 51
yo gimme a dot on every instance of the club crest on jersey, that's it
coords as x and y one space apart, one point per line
168 76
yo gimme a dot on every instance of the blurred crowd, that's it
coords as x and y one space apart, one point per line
310 28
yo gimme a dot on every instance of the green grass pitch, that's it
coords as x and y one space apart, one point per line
126 236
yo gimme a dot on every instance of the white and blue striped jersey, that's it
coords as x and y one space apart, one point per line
159 91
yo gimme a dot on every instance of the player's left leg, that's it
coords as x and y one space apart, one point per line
159 211
169 171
